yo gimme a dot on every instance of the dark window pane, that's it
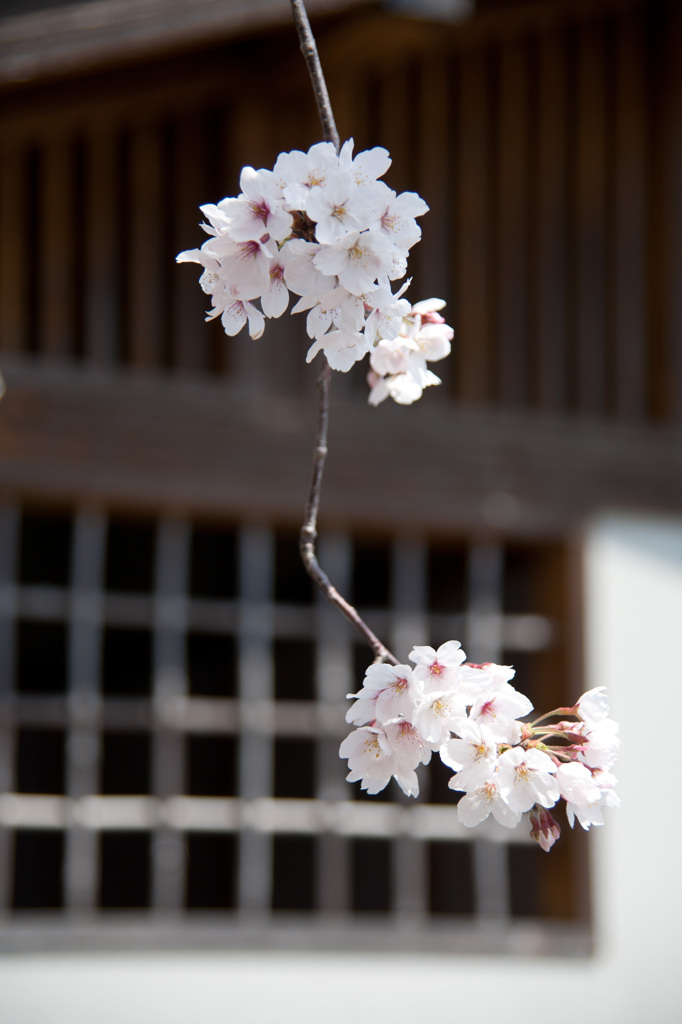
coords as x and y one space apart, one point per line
40 761
372 883
124 870
294 768
548 885
371 575
294 670
447 576
130 556
436 778
211 665
524 865
211 867
211 766
41 657
389 794
38 857
127 662
535 582
362 659
293 872
213 563
533 680
125 763
533 576
451 882
45 551
293 585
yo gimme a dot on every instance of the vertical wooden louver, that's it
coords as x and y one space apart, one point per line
548 154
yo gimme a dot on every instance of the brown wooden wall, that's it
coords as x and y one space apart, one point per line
546 151
546 141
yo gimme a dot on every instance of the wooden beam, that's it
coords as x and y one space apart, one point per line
208 449
82 35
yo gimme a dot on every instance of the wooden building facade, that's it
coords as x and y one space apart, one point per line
171 692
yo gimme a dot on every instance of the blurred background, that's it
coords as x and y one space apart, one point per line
172 692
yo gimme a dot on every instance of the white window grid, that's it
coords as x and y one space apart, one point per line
255 816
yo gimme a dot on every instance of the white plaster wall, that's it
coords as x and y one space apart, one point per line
634 646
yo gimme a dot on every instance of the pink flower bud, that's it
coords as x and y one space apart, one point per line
545 829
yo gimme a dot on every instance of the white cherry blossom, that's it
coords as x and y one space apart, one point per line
388 691
484 800
593 707
296 173
409 751
370 758
358 260
438 670
472 754
339 208
502 768
258 210
323 226
526 777
577 784
499 706
602 746
342 349
367 166
436 715
397 219
238 314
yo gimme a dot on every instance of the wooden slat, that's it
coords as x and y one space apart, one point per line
590 227
144 261
55 241
170 682
512 253
170 623
550 270
430 262
669 376
9 536
13 243
492 898
256 689
101 286
473 293
333 679
409 627
395 105
484 643
133 98
629 369
190 337
81 871
484 606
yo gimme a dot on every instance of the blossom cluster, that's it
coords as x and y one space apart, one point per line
323 226
471 715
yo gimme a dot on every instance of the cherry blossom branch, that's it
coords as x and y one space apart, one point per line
308 535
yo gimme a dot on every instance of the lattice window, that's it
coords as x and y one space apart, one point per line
173 697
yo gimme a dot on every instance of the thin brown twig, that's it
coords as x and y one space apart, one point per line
311 57
308 536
